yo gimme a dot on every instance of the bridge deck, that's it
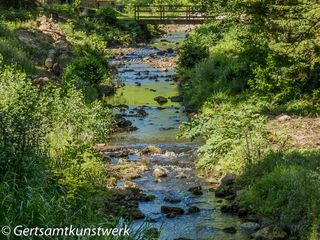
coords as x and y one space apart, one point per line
167 14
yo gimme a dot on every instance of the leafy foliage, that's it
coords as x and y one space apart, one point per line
46 137
235 134
107 15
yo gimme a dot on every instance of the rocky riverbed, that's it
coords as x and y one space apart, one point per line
155 179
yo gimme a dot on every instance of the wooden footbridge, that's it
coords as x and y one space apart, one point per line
170 14
157 14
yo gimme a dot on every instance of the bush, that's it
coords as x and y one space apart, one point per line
21 15
225 70
235 134
86 70
192 52
107 15
289 195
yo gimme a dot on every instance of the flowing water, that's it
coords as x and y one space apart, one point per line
142 83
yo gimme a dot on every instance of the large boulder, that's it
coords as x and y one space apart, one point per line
224 191
270 233
228 179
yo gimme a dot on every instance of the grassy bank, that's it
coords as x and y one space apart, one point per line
253 80
51 116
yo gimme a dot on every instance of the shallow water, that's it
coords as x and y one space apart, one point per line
160 127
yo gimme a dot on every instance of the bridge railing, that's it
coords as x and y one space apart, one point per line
170 13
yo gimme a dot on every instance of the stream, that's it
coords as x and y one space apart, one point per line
158 125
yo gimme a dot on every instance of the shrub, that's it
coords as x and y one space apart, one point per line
48 166
107 15
235 134
192 52
288 194
87 70
225 70
21 15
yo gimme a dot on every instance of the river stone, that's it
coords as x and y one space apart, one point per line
41 81
283 118
141 112
270 233
171 215
228 179
144 161
48 62
171 199
176 99
150 150
224 191
231 230
123 123
161 100
196 190
122 161
193 209
174 210
132 175
249 226
181 176
170 50
159 172
56 69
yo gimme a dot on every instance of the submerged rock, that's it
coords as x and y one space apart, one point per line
193 209
171 199
141 112
171 215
